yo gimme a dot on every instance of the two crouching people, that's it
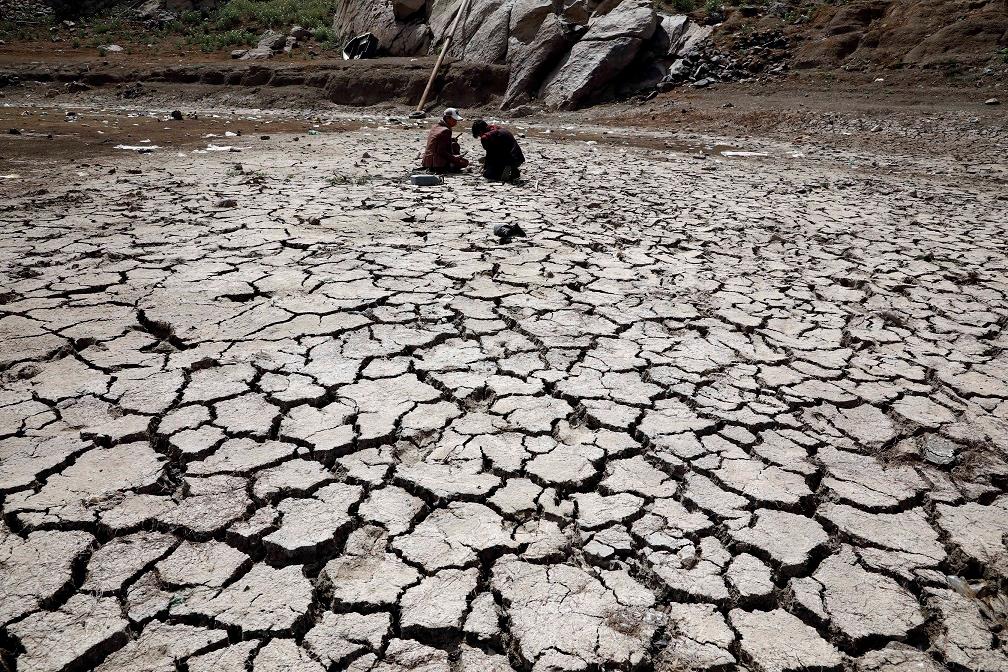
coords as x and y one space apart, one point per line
443 153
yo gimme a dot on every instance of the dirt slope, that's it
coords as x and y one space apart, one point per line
908 33
884 33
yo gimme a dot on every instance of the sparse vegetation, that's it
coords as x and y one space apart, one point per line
264 14
326 36
677 6
210 42
236 23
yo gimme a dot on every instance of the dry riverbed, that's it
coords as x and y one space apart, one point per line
734 402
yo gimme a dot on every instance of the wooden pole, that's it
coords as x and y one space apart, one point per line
444 50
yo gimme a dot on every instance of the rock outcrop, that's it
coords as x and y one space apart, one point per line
566 53
610 45
530 61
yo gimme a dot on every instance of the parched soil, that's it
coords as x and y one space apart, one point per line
736 399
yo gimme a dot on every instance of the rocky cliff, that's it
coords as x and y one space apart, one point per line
566 53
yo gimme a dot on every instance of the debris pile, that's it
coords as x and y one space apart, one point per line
751 55
272 43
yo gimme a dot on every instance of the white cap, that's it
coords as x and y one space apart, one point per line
453 113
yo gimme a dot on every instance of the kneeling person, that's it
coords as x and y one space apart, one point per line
442 154
503 155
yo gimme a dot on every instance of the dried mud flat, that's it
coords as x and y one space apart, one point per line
714 412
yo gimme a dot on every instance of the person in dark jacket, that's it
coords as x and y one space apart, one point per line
503 155
442 154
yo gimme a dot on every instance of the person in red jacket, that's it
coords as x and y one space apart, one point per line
442 154
503 155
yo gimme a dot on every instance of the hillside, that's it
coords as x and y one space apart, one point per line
884 33
562 54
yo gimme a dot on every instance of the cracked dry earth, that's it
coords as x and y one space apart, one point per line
709 415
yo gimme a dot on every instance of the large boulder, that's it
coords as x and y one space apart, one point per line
670 33
587 69
530 62
632 18
526 18
690 40
270 43
577 12
674 34
488 43
610 45
482 35
406 9
378 17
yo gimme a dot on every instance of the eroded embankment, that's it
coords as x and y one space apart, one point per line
366 82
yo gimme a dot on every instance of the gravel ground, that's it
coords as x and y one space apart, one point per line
730 404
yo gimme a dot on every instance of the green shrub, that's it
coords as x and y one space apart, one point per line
103 27
325 34
191 17
274 13
229 39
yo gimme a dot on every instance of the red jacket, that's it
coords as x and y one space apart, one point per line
439 155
